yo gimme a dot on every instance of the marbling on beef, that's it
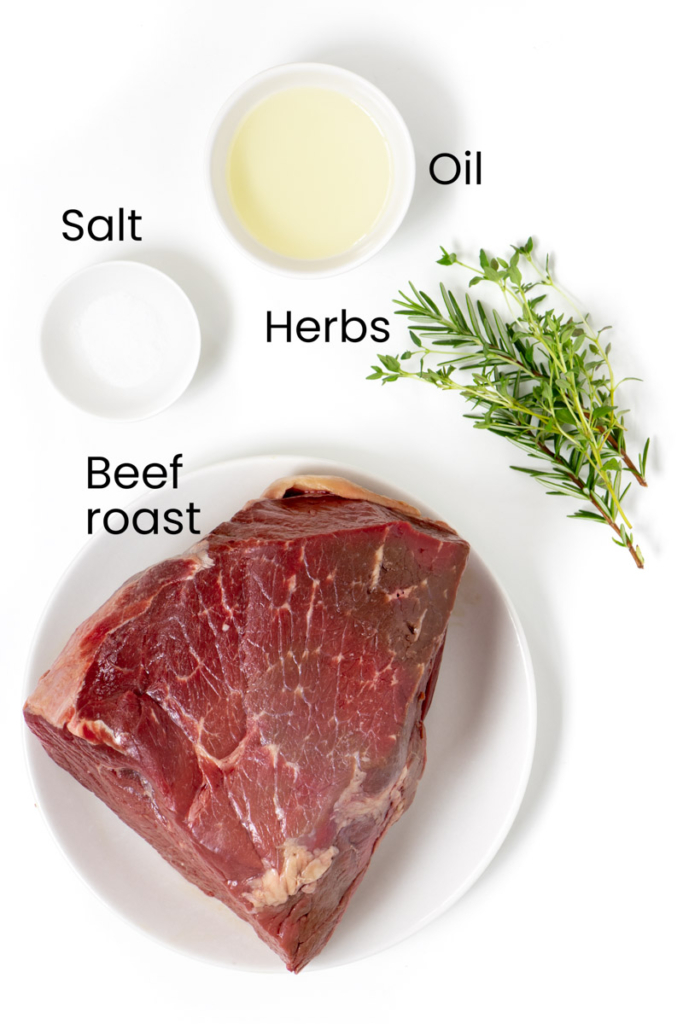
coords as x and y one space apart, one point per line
254 707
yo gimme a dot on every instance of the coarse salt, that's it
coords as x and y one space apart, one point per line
121 338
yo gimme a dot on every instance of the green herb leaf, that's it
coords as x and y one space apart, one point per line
448 258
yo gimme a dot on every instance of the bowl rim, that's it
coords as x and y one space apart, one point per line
311 268
189 366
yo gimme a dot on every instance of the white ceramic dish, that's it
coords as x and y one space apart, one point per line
377 105
128 373
480 740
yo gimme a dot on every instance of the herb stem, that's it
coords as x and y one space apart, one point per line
570 396
635 554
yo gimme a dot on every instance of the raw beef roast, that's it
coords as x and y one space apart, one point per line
254 707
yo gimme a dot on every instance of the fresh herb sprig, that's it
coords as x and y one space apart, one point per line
542 379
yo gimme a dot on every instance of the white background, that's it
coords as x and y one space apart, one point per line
575 108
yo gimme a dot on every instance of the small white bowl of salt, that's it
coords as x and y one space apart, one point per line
120 340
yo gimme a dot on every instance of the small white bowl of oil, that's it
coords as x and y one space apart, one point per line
311 169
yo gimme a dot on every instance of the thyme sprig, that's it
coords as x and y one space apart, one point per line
540 378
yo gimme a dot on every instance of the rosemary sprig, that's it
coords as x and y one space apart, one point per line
541 379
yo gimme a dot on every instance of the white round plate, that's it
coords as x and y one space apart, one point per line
480 740
120 340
